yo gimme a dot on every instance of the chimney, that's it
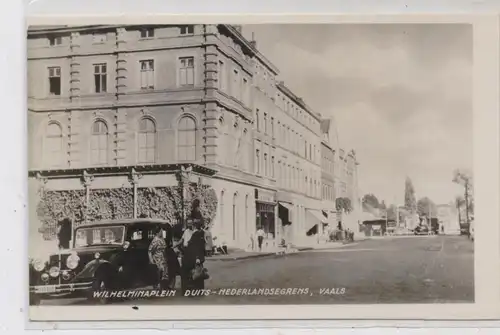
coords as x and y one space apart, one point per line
253 42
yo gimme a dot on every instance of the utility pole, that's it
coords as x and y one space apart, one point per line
467 200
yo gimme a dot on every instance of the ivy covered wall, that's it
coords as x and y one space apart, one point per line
104 204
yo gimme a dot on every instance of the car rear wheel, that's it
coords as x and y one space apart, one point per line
34 299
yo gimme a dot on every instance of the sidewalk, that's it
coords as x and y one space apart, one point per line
241 254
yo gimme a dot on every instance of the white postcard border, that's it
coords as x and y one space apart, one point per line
486 171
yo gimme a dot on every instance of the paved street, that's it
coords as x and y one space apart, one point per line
387 270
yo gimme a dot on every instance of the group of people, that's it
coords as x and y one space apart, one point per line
340 234
164 252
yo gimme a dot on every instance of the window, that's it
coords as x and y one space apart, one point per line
186 71
235 214
272 127
147 74
222 208
55 40
236 91
265 165
54 144
55 80
222 76
257 161
257 119
265 123
100 78
99 143
147 33
186 142
99 38
147 141
246 98
187 30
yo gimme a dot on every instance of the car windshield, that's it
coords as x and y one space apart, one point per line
99 235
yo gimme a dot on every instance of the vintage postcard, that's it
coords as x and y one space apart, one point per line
183 166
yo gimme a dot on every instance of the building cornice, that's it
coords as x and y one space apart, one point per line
119 170
299 101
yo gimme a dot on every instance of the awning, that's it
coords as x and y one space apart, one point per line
287 206
314 218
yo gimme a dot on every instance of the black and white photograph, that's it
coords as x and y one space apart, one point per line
254 164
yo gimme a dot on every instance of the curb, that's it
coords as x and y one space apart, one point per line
261 255
271 254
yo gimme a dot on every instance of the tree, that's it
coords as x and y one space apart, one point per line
392 212
343 204
410 200
370 202
464 178
426 207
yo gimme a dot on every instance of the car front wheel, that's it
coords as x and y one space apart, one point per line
99 291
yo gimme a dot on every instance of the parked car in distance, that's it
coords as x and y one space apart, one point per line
422 230
104 255
471 230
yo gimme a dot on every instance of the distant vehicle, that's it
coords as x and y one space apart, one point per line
464 228
421 230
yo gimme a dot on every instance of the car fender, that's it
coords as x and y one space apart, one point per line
96 267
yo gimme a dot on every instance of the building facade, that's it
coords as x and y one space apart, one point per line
329 149
120 118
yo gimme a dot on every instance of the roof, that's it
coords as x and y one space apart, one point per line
298 100
123 222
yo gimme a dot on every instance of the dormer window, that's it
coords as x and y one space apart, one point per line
55 40
147 33
187 30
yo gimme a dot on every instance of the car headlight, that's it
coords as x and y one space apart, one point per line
45 277
54 271
38 265
66 275
72 261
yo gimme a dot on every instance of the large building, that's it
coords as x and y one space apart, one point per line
115 114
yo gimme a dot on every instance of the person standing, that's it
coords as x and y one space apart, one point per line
193 255
173 265
156 253
64 232
209 245
260 237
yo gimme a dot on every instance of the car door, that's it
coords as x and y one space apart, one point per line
138 254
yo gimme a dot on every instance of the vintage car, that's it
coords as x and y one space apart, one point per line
105 255
422 230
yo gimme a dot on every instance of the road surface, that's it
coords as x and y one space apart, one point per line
414 269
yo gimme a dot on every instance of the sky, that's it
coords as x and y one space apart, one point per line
400 95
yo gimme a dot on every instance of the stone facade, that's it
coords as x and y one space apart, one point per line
125 107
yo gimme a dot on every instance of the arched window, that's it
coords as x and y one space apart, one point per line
99 143
147 141
54 145
235 214
186 140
